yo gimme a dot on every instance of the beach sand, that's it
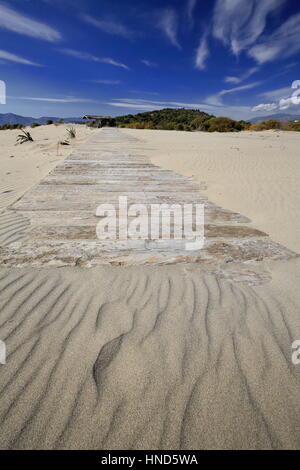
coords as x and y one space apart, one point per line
24 165
160 357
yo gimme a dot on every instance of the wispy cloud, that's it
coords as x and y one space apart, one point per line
152 93
241 78
216 99
167 22
286 103
149 63
239 23
286 98
282 43
105 82
56 100
87 56
239 88
148 104
190 8
202 53
276 94
265 107
8 56
108 26
21 24
145 107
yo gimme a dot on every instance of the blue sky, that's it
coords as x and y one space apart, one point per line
226 57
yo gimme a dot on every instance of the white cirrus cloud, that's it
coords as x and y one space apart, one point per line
105 82
202 53
265 107
286 98
241 78
133 105
239 23
286 103
239 88
149 63
87 56
216 99
167 22
276 94
56 100
190 8
8 56
108 26
282 43
21 24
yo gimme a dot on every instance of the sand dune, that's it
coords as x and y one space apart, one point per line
158 357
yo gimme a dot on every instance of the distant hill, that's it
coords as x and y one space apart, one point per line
11 118
167 115
277 117
179 119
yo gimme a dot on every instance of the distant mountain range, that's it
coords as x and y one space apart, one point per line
277 117
11 118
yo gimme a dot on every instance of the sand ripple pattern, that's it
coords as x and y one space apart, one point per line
13 227
136 358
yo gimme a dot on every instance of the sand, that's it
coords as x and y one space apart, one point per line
162 357
24 165
253 173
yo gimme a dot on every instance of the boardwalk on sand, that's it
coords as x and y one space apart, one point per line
57 218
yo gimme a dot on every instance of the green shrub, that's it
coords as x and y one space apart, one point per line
294 126
221 124
59 121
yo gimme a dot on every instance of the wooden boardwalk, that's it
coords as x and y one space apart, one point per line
60 213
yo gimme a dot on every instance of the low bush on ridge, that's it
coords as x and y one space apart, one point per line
273 124
5 127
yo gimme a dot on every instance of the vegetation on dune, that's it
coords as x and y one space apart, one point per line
58 122
25 137
166 119
180 119
224 124
71 133
5 127
294 126
273 124
194 120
